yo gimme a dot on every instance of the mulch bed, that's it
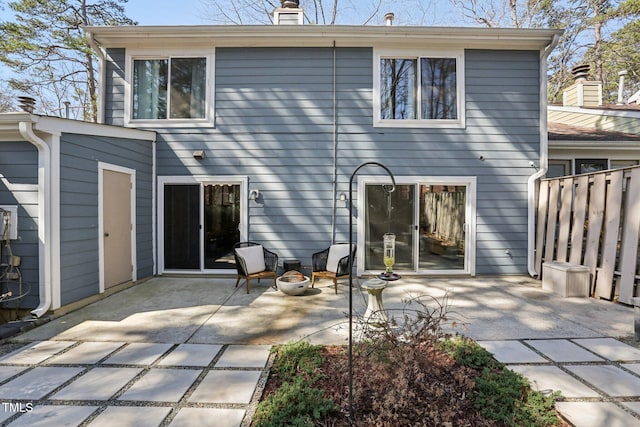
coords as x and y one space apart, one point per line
424 387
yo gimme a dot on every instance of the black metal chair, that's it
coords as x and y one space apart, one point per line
332 263
253 261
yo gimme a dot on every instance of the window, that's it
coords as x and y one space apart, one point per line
558 168
420 90
619 164
174 89
590 165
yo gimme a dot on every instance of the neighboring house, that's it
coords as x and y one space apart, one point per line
83 194
587 136
259 129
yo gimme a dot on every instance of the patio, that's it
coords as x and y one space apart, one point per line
212 311
186 351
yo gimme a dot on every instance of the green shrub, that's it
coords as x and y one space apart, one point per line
296 402
498 394
296 358
469 353
501 394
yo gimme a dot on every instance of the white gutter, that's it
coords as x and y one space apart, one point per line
154 209
103 67
44 216
544 158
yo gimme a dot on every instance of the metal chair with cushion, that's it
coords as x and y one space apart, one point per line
332 263
253 261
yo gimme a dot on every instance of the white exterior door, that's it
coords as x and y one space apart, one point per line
117 227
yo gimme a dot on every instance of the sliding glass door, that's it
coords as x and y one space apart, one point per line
182 227
200 223
432 218
221 224
442 213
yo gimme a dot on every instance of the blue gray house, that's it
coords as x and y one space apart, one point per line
80 198
258 130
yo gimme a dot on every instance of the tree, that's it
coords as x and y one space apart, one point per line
324 12
7 100
509 13
48 52
622 51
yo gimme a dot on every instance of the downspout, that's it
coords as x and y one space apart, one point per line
44 216
544 158
154 209
101 79
335 152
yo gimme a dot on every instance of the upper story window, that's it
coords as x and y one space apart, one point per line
418 89
172 89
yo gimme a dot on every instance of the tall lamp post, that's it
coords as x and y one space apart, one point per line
393 187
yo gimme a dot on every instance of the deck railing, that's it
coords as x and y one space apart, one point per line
593 220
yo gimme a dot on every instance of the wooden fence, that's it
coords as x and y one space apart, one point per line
593 220
442 215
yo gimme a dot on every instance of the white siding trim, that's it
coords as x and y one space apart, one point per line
201 180
132 54
470 216
457 54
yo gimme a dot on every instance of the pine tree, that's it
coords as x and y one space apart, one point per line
48 52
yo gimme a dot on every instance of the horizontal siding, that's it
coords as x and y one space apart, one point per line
596 121
274 124
114 87
19 186
79 157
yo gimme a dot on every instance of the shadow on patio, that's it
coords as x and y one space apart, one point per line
213 311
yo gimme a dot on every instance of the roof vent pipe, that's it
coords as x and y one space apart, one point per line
291 4
388 18
580 72
621 87
27 104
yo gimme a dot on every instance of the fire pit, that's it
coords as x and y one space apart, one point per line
293 283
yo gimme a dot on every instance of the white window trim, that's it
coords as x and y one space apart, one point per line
201 180
458 55
470 219
133 54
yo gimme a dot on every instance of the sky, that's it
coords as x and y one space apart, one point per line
155 12
191 12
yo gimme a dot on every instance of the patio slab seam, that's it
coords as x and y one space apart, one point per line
115 399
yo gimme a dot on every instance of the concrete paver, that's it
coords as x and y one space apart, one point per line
226 387
189 417
86 352
191 355
162 385
596 414
138 354
512 352
130 416
548 379
563 351
47 416
210 342
37 383
35 352
7 372
244 356
610 348
608 378
97 384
